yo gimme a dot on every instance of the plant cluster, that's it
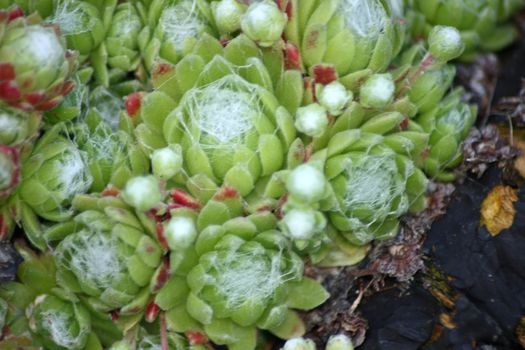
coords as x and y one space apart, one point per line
173 165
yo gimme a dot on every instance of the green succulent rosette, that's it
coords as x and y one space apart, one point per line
350 38
304 221
481 23
119 54
448 125
35 63
374 182
40 315
113 156
219 105
59 323
173 28
238 276
109 255
83 23
36 276
52 175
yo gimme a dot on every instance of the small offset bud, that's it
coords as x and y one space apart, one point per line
300 223
334 97
180 233
227 15
339 342
264 22
307 183
378 91
445 43
166 162
312 120
299 344
142 193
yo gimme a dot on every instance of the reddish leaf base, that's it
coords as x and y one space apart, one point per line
152 311
14 95
196 338
133 103
292 57
163 275
11 14
110 191
184 199
324 73
161 237
226 193
159 70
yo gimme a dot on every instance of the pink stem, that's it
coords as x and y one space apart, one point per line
163 332
425 63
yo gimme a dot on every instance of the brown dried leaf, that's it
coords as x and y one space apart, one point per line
497 209
447 321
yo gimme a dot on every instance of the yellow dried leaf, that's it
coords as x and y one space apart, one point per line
447 321
497 209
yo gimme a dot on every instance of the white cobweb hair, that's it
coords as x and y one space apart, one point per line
70 18
224 110
365 18
150 342
74 176
107 105
93 254
131 24
244 276
181 21
371 183
58 324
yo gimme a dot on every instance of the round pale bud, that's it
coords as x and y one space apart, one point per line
306 183
166 162
445 43
299 344
227 15
264 22
300 223
339 342
180 232
378 91
312 120
334 97
142 193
